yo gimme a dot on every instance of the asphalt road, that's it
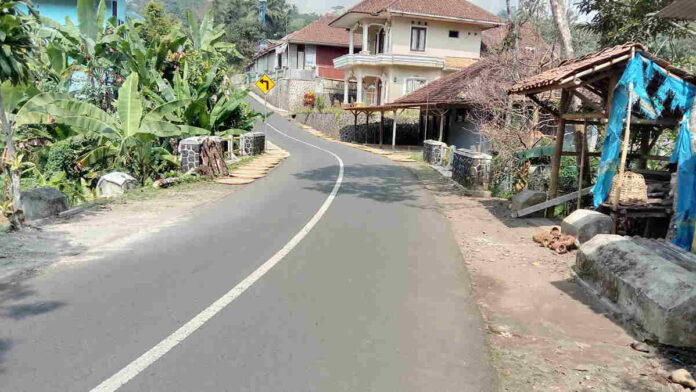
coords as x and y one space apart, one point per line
374 298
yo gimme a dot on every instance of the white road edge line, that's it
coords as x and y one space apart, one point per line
131 370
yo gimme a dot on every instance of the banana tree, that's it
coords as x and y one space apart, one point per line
220 114
17 48
84 53
208 37
149 60
130 137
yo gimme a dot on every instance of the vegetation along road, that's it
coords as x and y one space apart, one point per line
302 281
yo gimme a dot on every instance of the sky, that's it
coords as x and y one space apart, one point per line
323 6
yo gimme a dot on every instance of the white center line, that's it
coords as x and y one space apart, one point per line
131 370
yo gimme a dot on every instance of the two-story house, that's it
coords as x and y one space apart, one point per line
312 49
58 10
408 43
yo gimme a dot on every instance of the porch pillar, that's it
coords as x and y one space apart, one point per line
351 38
360 88
381 128
367 126
442 125
346 83
394 131
365 48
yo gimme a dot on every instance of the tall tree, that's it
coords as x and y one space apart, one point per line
17 47
620 21
560 18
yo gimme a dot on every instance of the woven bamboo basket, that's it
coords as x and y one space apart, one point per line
633 190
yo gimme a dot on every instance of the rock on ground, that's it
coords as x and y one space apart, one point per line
42 203
585 224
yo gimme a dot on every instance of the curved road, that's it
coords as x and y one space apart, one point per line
374 298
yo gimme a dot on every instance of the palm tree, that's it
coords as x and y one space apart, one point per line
17 44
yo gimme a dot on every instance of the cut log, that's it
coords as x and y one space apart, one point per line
550 203
212 160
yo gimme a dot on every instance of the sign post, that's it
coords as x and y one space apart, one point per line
265 84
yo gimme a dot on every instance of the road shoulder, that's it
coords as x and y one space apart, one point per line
546 332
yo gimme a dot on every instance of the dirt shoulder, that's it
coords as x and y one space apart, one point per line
547 334
102 225
111 224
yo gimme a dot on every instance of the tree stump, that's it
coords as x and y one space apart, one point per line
212 161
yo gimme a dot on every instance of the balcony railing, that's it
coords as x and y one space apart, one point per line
388 59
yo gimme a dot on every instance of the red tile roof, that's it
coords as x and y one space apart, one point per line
680 9
446 90
319 32
551 78
460 9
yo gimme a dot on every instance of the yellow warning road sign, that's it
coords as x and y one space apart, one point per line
265 84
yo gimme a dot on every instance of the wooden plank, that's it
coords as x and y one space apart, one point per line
545 106
587 101
668 122
599 154
550 203
583 116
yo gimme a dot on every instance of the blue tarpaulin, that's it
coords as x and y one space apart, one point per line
679 94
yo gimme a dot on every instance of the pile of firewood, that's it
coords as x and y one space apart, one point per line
212 160
556 241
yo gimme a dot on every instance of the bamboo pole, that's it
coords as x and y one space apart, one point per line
624 145
581 172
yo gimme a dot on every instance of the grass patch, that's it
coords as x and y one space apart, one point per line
188 182
417 157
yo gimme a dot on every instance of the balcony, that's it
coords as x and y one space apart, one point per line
378 60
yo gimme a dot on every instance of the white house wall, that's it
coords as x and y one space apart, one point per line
438 43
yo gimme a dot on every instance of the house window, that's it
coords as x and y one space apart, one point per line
454 34
413 84
418 39
114 9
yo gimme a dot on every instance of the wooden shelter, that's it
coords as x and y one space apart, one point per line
368 111
590 81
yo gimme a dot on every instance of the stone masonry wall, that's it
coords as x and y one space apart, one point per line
471 169
342 126
190 152
433 151
252 143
